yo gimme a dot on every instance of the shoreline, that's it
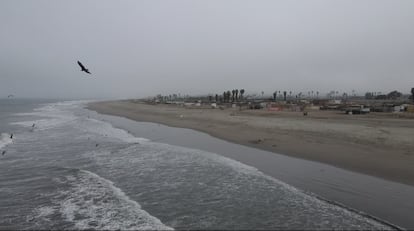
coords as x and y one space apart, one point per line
374 145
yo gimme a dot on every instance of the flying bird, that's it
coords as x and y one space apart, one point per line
83 68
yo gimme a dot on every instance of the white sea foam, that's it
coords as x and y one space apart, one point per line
94 202
41 216
45 211
62 113
5 140
106 129
56 114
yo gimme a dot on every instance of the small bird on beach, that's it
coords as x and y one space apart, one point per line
83 68
96 145
3 152
11 136
33 125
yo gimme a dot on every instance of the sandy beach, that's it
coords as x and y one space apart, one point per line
380 145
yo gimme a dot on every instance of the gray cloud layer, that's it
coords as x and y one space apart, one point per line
140 48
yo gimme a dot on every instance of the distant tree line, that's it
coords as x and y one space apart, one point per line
237 95
379 96
233 95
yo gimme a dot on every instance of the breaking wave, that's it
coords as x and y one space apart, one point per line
95 202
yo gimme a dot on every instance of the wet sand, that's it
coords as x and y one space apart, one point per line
376 144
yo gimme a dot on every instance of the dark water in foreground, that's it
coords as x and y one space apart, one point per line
73 171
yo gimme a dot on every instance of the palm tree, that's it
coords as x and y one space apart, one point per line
284 95
412 92
237 94
274 95
241 93
228 96
216 98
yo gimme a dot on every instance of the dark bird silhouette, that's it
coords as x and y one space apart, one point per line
3 152
96 145
33 125
10 96
11 136
83 68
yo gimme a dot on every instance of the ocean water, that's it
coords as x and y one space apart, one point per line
73 170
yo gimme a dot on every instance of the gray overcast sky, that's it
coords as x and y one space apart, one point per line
140 48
